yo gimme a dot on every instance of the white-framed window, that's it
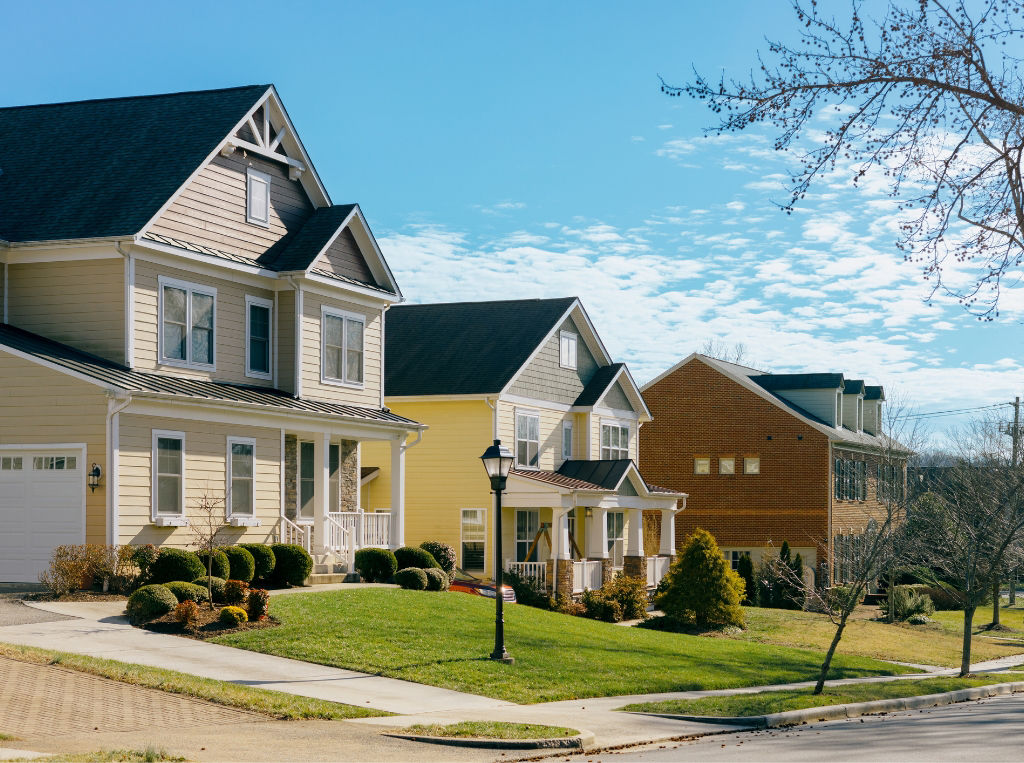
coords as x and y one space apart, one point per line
615 523
53 463
566 440
10 463
168 474
702 465
614 441
342 347
734 558
306 476
187 324
240 476
567 349
474 539
726 465
257 197
527 440
259 320
527 527
751 465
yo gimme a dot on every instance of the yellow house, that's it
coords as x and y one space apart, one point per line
535 375
187 320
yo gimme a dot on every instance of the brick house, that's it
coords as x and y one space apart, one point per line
768 458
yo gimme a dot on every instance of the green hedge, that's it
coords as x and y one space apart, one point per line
187 591
437 580
293 564
407 556
376 565
215 583
149 602
443 554
221 567
412 578
263 557
175 564
241 563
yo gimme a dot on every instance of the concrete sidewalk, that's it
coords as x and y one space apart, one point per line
99 630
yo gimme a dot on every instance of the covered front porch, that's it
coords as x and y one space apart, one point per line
571 535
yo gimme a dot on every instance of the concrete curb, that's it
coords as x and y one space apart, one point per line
852 710
581 741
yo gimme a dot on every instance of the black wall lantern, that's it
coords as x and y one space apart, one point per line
94 477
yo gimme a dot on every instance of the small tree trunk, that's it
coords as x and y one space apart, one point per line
965 659
890 615
828 655
209 577
995 601
1013 588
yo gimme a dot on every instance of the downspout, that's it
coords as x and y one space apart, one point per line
129 305
494 417
298 337
113 455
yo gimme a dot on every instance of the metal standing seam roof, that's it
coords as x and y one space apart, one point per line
121 377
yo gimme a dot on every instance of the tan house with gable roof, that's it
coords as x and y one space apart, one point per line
185 315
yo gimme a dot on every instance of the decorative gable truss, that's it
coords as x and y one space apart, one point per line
266 132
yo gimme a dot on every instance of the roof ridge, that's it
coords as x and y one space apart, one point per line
136 97
488 302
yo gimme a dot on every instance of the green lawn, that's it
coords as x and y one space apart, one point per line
935 643
491 730
766 702
443 639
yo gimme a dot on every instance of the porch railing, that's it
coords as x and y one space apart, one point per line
657 568
586 575
341 540
296 534
367 530
538 571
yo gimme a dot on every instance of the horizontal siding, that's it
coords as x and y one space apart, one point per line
286 341
229 320
205 457
312 387
79 303
344 258
550 431
38 406
211 210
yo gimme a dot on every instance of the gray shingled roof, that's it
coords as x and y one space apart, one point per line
873 393
798 381
464 348
598 385
91 169
120 377
297 251
853 387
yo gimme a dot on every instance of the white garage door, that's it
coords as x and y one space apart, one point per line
42 505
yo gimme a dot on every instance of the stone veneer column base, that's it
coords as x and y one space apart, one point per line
634 567
564 575
607 571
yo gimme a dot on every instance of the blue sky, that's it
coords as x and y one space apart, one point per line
509 150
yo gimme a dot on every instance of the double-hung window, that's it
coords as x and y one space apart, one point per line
342 349
257 206
241 455
615 525
168 474
566 440
527 527
614 441
258 322
567 349
474 539
187 321
527 439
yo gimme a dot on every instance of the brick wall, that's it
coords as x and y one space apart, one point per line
852 517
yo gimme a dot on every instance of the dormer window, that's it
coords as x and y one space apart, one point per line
257 209
567 349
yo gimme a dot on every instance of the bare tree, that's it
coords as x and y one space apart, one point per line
735 353
969 526
206 523
929 95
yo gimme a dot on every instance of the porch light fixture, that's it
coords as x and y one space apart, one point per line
94 477
497 461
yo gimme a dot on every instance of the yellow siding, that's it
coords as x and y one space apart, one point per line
230 323
443 473
205 467
80 303
312 387
39 406
211 210
550 431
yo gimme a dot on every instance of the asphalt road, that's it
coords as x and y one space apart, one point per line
986 730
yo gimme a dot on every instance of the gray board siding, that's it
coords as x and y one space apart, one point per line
616 398
544 379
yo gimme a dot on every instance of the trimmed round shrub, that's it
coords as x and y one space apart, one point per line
293 564
437 580
263 557
241 563
221 566
376 565
258 603
187 591
215 583
443 554
149 602
233 616
407 556
235 592
187 613
412 578
175 564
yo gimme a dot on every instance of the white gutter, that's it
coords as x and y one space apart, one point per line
494 416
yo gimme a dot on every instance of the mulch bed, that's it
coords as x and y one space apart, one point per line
208 627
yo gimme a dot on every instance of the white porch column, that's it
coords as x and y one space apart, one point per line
560 523
634 533
668 533
321 491
398 492
597 534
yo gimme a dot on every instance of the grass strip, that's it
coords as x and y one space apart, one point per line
444 638
492 730
275 704
149 755
6 738
766 702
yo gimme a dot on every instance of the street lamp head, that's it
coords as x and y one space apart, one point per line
497 461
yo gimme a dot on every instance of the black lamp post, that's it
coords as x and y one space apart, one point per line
497 463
